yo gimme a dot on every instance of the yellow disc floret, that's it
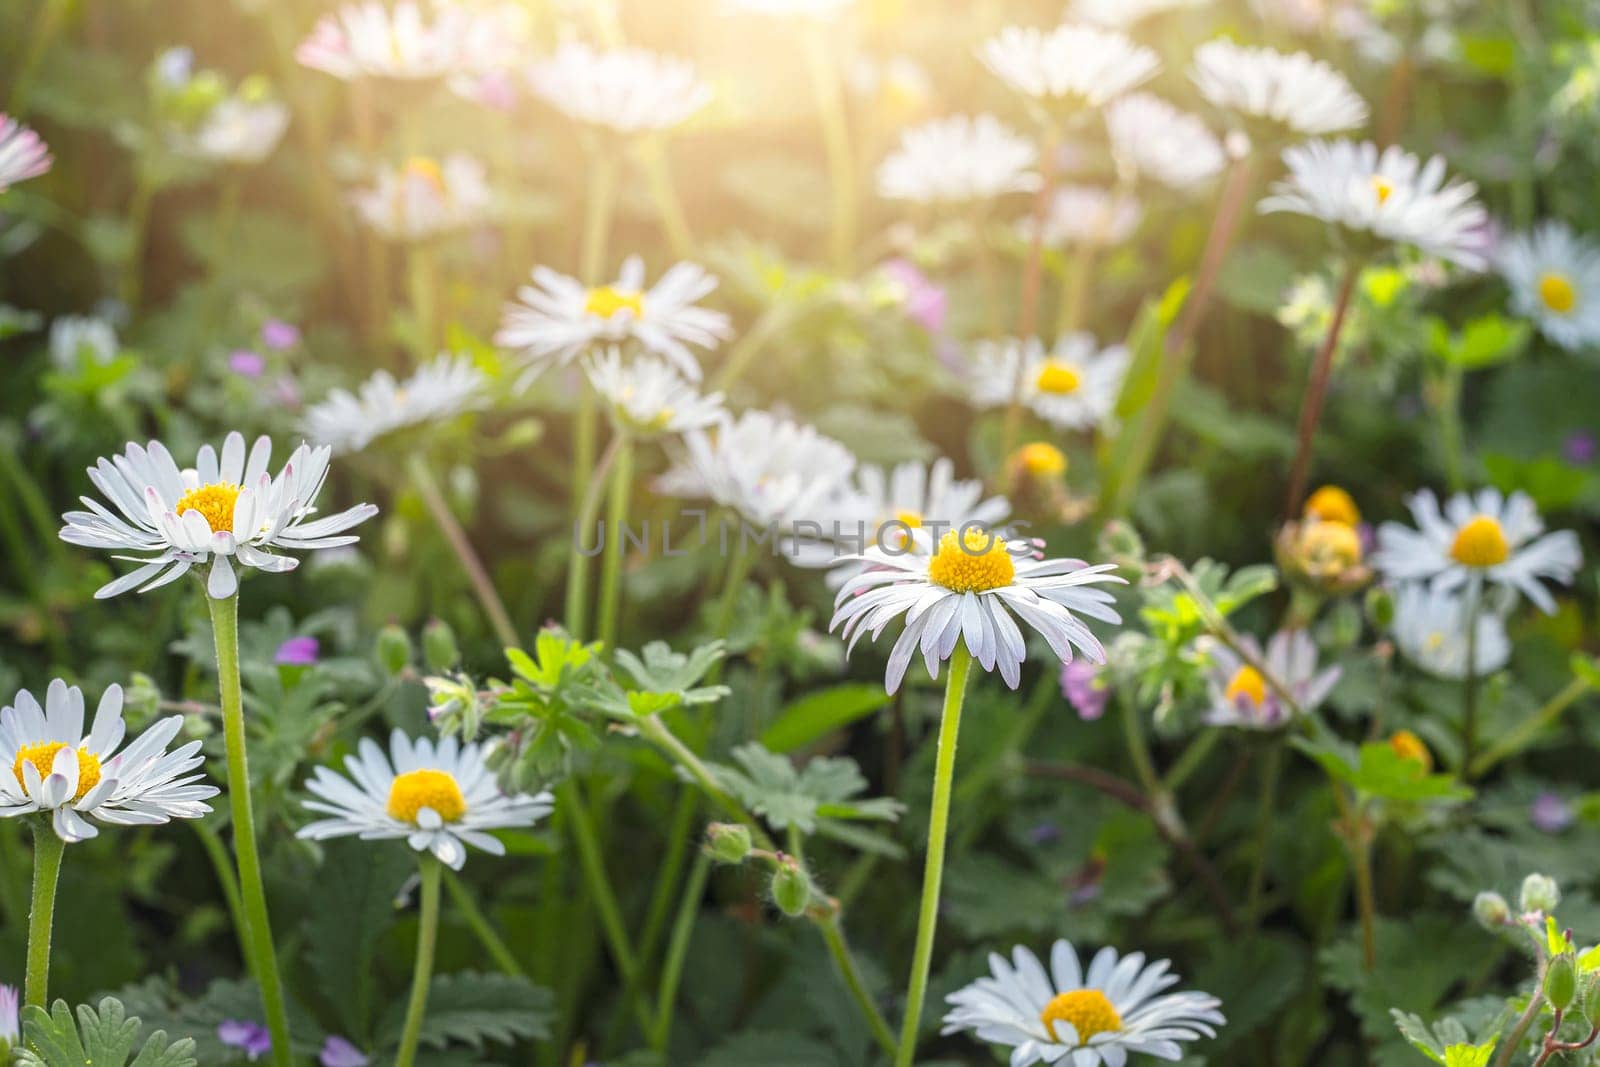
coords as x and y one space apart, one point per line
214 502
1088 1010
606 301
1327 547
1058 378
426 170
1040 459
415 790
1480 542
971 560
43 758
1382 188
911 519
1248 684
1332 504
1557 293
1408 746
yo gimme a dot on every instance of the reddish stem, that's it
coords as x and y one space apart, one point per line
1316 394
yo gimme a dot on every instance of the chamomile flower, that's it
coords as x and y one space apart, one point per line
1073 66
23 153
966 587
424 198
1292 94
219 511
1478 537
1554 277
1116 1009
50 766
1073 386
448 386
958 159
1240 693
438 798
1371 197
1430 629
647 396
1152 139
1085 215
626 90
1121 14
375 40
239 131
558 317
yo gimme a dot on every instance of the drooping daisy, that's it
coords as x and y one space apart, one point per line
1069 66
372 39
1430 629
23 153
1086 215
210 515
959 159
443 388
1554 276
966 587
1074 386
424 198
558 317
1065 1015
239 131
49 765
1121 14
1293 94
439 798
1373 197
648 397
1479 537
1240 693
626 90
1152 139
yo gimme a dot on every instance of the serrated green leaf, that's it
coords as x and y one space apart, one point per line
103 1036
472 1008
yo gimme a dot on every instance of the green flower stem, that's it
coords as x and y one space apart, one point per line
1032 275
258 927
1139 750
733 579
617 518
829 97
481 927
933 873
482 586
678 952
839 949
422 974
658 173
230 888
1519 1030
1469 684
588 513
1529 728
655 731
1271 773
138 222
1451 436
47 851
46 24
1191 759
422 278
768 325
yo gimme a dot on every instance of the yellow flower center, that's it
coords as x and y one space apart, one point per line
415 790
1247 683
911 519
424 169
1409 746
606 301
1040 459
1480 543
971 561
214 502
43 758
1058 378
1557 292
1382 188
1329 545
1332 504
1087 1010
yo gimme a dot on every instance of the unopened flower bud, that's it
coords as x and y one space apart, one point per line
1491 909
1380 607
1539 893
394 649
728 842
791 889
439 650
1561 981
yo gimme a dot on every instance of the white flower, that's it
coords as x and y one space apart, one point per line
647 396
767 469
23 153
1079 65
807 9
958 159
1304 96
214 513
1430 628
1074 386
443 388
628 90
424 198
1153 139
966 588
75 338
439 798
1115 1010
48 764
10 1028
1121 14
371 39
1554 275
1487 536
1393 196
1241 695
1086 215
558 317
237 131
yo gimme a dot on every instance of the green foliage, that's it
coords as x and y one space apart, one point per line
817 798
104 1036
473 1009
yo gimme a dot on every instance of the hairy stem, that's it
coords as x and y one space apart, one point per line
422 973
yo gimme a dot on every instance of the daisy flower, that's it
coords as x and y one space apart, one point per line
424 198
1294 94
1554 276
648 397
439 798
1074 386
238 131
958 159
1430 629
49 765
1085 215
1118 1008
558 317
1077 66
1479 537
372 39
1121 14
448 386
1369 197
216 512
1153 139
23 153
626 90
1240 695
966 587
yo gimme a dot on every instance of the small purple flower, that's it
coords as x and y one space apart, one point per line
1045 833
925 302
10 1030
298 652
252 1037
1083 689
1580 448
337 1052
246 364
1550 813
279 335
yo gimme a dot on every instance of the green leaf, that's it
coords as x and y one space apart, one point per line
1446 1043
1485 341
472 1008
769 785
105 1037
820 713
354 910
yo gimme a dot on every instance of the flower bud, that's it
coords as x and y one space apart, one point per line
1539 893
1380 607
1491 909
1561 981
791 889
394 649
728 842
439 649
